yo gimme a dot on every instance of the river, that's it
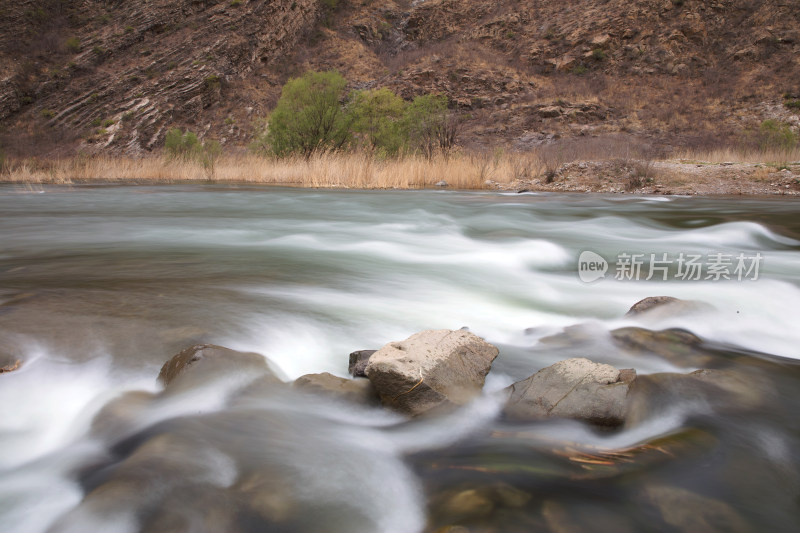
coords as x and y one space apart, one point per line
100 285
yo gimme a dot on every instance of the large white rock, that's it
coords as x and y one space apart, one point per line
575 388
430 369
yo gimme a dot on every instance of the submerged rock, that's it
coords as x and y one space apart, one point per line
357 390
576 388
688 511
434 368
567 517
665 306
122 414
210 359
8 363
678 346
358 363
721 391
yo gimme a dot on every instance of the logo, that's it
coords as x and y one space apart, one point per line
591 266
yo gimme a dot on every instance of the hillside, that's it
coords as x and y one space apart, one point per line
113 76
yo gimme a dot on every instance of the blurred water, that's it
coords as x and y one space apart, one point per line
100 285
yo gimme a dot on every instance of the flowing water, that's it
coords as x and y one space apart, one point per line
99 286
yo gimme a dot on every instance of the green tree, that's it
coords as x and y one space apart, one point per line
309 116
377 120
431 125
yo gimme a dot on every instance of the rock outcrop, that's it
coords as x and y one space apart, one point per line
116 76
429 370
576 388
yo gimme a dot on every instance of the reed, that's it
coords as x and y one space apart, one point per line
332 170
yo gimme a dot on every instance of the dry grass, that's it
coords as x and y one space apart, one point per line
461 170
324 170
739 155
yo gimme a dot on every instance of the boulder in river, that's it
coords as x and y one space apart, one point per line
431 369
358 363
358 390
575 388
210 360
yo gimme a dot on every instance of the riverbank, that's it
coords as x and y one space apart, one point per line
715 173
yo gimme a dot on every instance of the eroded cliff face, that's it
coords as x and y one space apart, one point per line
113 76
121 73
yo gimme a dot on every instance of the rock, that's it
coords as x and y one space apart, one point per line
688 511
119 416
565 517
665 306
601 40
182 510
679 347
357 390
434 368
473 502
649 303
576 388
210 359
721 391
8 363
563 63
441 183
551 111
468 504
358 363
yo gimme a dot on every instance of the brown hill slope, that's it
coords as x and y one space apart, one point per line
113 76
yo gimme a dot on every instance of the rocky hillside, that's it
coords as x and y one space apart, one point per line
114 76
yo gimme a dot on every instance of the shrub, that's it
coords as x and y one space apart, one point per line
213 82
774 135
47 113
187 147
180 145
211 152
377 120
261 140
3 161
792 104
73 44
598 54
309 117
